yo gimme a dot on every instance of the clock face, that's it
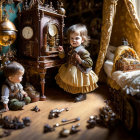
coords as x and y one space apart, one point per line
27 32
52 30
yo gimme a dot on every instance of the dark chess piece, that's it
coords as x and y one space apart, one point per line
108 117
74 129
55 112
36 109
7 122
5 118
26 121
48 128
64 132
92 122
17 124
80 97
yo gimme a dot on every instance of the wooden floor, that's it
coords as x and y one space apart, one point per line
56 98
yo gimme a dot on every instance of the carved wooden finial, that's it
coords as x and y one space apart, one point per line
32 2
61 10
26 5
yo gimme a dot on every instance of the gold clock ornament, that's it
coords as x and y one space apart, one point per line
8 32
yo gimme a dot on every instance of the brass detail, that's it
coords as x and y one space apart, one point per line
7 25
7 32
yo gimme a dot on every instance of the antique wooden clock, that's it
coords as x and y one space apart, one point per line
40 33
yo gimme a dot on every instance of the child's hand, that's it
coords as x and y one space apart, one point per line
78 58
24 93
60 49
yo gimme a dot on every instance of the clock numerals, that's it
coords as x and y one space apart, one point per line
52 29
27 32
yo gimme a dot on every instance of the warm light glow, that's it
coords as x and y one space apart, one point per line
7 38
7 30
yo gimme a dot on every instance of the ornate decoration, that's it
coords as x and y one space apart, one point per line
32 2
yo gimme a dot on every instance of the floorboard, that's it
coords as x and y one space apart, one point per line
57 98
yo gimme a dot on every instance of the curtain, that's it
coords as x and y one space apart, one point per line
109 10
137 8
132 7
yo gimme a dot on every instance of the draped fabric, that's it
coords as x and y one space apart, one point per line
137 8
130 4
109 9
127 22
